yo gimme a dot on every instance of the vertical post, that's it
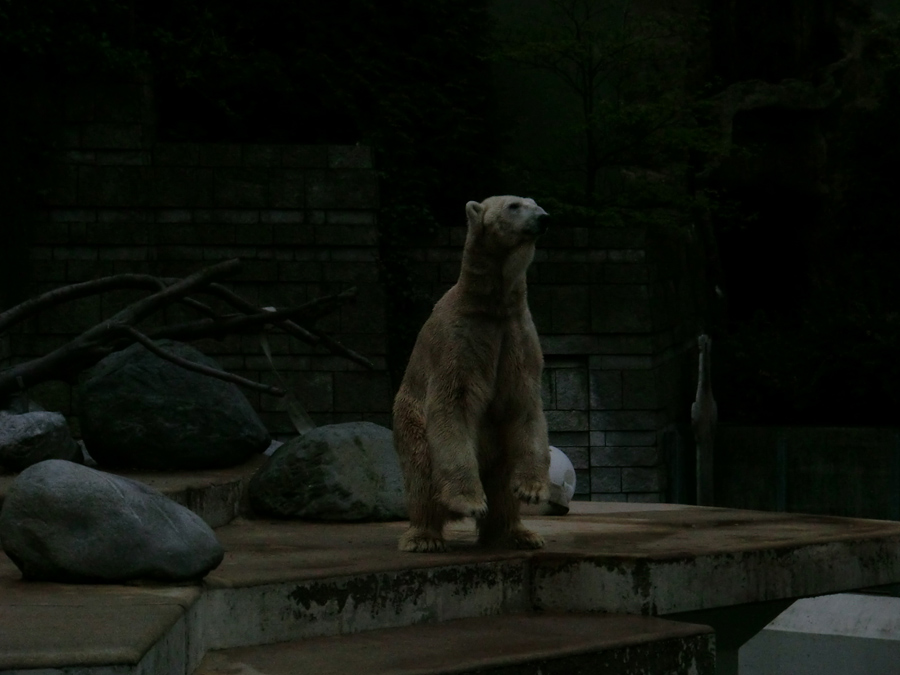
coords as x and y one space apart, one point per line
673 449
781 478
895 479
704 471
704 415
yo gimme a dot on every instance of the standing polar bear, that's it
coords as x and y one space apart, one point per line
469 425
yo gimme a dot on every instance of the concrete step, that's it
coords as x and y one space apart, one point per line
548 643
216 495
47 629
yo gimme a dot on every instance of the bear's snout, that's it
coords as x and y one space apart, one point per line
542 223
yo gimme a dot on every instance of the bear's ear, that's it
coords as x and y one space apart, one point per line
474 211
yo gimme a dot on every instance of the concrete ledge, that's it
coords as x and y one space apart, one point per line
511 644
661 562
293 610
58 625
214 494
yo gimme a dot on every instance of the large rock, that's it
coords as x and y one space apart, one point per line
66 522
336 472
32 437
138 410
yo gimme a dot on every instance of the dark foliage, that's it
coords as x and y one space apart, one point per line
810 256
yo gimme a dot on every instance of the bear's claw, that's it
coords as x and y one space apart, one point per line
417 541
526 539
531 492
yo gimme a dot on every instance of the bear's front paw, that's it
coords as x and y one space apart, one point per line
415 540
531 491
526 539
474 506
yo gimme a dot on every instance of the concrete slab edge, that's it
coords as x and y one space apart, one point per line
658 587
239 617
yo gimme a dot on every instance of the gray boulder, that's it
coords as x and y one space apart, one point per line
336 472
140 411
66 522
32 437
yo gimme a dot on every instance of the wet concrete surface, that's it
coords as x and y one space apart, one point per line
283 580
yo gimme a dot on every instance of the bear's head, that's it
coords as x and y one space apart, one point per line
505 223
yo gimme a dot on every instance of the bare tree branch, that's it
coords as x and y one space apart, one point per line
79 351
308 335
85 289
143 308
336 347
200 307
312 310
118 331
238 302
200 368
57 296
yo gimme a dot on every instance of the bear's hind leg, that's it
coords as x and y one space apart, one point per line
426 514
501 527
426 524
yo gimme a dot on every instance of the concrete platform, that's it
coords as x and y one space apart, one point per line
613 644
284 581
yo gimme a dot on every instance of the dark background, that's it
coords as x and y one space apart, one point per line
796 205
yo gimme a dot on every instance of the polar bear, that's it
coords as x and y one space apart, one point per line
469 426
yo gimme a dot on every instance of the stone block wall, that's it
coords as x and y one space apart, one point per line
614 306
619 348
301 219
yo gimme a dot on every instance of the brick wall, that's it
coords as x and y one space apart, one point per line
614 306
302 219
619 349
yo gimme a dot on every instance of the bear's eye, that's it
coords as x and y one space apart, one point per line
514 206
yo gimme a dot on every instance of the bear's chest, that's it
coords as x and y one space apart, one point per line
518 363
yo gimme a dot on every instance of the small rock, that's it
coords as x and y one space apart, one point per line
273 446
140 411
335 472
32 437
66 522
